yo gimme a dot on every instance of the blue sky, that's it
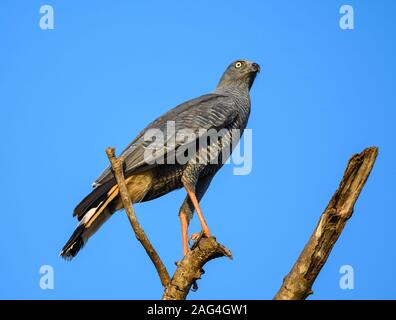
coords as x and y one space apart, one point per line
110 67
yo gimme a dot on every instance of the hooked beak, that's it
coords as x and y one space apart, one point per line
256 67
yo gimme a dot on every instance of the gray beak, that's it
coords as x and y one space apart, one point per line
256 67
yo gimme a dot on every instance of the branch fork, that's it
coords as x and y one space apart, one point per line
190 268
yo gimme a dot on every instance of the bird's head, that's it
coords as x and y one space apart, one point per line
240 74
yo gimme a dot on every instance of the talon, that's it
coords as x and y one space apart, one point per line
194 236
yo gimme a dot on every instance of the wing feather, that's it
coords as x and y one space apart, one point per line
211 111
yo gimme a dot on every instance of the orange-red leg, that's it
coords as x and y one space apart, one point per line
201 218
184 227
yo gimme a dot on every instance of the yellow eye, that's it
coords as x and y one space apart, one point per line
238 64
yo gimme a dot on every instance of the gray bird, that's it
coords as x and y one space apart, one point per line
227 110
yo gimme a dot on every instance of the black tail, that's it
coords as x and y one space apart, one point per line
92 212
93 199
75 243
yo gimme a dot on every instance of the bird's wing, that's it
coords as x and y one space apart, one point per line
211 111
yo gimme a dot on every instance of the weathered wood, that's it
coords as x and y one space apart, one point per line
117 165
190 268
298 283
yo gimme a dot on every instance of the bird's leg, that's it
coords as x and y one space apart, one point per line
184 228
201 218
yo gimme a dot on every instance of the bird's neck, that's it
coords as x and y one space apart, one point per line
241 97
238 90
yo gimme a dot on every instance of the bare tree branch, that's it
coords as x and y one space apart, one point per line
190 268
298 283
117 165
